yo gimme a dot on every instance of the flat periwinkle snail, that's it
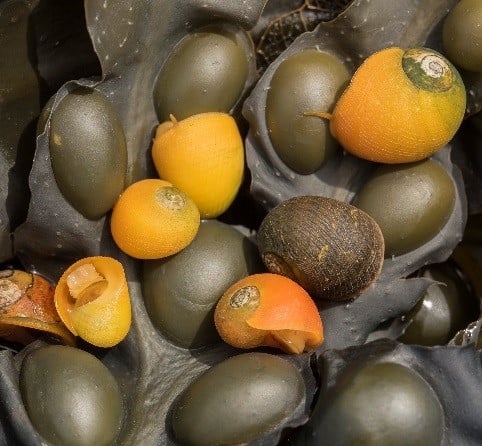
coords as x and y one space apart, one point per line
410 202
238 400
92 299
308 80
202 155
88 151
376 404
71 397
181 291
269 310
331 248
445 308
400 106
207 71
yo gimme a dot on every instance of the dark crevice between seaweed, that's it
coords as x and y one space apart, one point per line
283 21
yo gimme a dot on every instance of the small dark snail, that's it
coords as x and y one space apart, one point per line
332 249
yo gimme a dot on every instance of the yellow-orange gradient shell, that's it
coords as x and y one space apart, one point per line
203 156
153 219
92 299
268 310
400 106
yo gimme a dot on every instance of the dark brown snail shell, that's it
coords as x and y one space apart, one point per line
330 247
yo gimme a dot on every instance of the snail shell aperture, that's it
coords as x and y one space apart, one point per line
331 248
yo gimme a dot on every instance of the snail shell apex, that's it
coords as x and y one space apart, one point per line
331 248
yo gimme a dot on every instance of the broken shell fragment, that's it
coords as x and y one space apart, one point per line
92 299
27 309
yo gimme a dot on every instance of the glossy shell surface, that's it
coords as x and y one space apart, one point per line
71 397
88 152
238 400
180 292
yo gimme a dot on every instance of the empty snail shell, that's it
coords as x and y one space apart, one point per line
269 310
400 106
331 248
92 299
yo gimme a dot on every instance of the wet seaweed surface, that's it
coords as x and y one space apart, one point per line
125 45
452 373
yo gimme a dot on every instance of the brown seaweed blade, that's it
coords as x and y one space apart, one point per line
37 49
453 374
132 40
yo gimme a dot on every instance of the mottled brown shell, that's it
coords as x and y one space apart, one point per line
331 248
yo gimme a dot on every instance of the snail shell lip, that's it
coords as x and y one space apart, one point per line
105 319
